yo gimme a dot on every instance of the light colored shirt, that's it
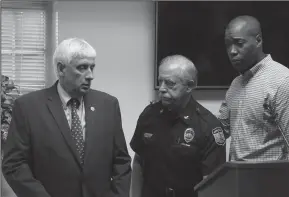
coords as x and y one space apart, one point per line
253 137
64 97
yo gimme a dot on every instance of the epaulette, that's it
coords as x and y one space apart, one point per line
153 102
149 107
204 113
201 110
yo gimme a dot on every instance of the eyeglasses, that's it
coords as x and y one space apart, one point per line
170 84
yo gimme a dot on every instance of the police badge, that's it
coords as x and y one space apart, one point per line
219 136
189 135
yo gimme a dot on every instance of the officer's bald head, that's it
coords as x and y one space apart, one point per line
247 24
182 66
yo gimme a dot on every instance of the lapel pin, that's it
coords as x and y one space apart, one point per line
186 117
161 111
92 108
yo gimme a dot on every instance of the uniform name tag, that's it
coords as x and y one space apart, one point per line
147 135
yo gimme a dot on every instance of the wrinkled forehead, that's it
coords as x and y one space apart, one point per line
83 60
83 53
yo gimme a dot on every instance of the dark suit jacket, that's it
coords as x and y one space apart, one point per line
40 158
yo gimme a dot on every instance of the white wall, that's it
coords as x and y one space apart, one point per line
123 35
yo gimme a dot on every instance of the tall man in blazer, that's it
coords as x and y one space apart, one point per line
67 140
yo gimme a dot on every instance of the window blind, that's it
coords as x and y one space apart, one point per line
23 41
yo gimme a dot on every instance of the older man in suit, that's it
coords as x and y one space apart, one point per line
67 140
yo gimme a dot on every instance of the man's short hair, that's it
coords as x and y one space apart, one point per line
70 49
188 70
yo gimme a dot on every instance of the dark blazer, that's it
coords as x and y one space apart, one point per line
40 157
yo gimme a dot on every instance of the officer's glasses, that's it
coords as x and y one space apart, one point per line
170 84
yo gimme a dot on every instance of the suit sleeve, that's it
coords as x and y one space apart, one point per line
17 160
121 172
214 153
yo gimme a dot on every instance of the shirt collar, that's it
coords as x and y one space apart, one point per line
251 72
187 112
64 96
191 112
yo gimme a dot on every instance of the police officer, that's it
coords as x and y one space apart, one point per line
177 141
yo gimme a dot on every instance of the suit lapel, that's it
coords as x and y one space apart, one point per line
54 105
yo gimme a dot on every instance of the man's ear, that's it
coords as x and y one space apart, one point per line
259 40
191 85
60 68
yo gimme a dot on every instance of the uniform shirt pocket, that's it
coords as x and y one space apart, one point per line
148 138
185 150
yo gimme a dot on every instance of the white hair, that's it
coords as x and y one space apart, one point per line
188 71
70 49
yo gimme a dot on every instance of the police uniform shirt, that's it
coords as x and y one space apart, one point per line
178 149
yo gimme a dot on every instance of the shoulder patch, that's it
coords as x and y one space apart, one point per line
219 136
